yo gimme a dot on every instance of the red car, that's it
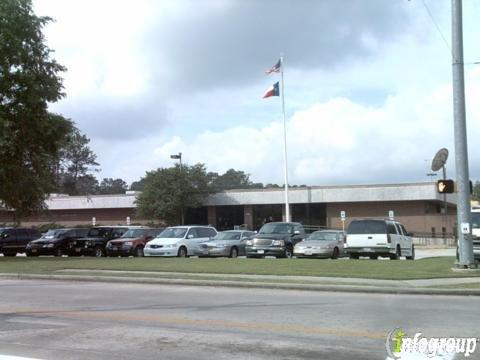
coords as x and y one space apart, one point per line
131 243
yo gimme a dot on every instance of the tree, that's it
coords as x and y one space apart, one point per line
110 186
30 136
476 191
87 185
76 160
138 185
168 192
232 179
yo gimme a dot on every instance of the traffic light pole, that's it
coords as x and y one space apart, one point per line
464 219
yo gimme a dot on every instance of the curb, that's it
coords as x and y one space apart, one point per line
245 284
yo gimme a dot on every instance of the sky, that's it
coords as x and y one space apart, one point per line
368 85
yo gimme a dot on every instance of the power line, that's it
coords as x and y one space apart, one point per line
438 27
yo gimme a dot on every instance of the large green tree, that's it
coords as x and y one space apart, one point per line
30 136
167 192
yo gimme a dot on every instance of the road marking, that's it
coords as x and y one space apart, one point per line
8 357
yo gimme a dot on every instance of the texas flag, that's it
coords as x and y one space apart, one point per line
273 90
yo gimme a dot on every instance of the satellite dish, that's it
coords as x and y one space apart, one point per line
440 159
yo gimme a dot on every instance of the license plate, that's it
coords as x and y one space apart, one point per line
367 249
260 251
78 250
34 250
308 252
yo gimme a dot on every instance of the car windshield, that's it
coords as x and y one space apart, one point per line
367 227
475 220
134 233
227 236
98 232
173 233
322 236
54 233
276 228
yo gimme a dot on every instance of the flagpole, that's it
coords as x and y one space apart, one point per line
285 159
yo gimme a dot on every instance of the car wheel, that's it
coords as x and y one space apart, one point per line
373 257
9 254
397 254
288 252
139 251
412 257
29 254
353 256
182 252
98 252
59 252
335 253
233 252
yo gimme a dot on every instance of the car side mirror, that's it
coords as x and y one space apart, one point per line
4 236
190 236
149 238
296 232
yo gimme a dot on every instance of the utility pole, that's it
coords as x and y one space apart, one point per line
464 218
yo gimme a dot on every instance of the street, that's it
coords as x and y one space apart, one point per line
75 320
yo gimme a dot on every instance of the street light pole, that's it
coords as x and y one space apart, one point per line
179 157
464 220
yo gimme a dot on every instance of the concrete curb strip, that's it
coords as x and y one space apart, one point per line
245 284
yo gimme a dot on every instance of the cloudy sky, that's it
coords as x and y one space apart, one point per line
367 85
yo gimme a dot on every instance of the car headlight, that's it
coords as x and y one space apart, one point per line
128 243
278 243
249 242
48 245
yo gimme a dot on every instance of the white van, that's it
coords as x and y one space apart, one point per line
374 238
179 241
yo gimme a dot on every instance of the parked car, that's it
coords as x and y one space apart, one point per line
378 237
54 242
179 241
96 240
476 233
321 244
15 240
229 243
275 239
131 243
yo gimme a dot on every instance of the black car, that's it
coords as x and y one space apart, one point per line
54 242
14 240
96 240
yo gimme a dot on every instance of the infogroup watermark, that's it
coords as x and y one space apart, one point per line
399 345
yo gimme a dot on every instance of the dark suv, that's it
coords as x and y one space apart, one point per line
275 239
96 240
132 242
14 240
54 242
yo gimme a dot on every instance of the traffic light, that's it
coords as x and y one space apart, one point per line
445 186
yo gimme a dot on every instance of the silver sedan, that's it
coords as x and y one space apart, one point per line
229 243
324 243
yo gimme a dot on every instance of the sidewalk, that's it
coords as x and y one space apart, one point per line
444 286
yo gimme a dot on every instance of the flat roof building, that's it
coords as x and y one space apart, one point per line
417 205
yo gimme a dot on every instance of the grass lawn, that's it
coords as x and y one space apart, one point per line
373 269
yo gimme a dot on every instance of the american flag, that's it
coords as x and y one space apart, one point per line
275 68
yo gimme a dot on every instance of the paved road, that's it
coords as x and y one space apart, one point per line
68 320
